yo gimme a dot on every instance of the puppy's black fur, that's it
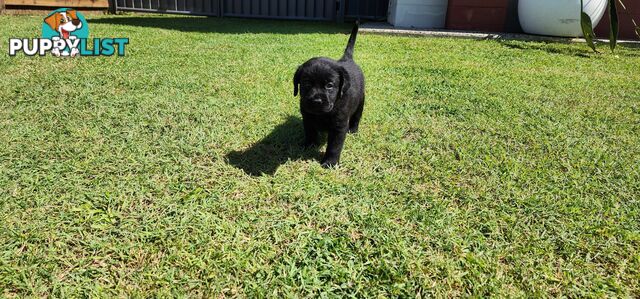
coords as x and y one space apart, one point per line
331 99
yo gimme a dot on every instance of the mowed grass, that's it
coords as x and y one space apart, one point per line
484 168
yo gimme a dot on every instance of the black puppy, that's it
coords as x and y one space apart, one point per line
331 99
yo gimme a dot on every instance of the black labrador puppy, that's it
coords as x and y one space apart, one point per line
331 99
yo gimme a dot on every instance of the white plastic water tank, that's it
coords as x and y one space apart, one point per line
558 17
418 13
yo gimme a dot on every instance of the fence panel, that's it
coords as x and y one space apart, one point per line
320 10
367 9
191 7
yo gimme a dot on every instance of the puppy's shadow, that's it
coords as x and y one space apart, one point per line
281 145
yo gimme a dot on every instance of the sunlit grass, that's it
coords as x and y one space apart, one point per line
488 168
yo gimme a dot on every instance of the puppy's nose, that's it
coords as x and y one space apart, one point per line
75 22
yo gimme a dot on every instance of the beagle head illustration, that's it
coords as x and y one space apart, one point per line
64 22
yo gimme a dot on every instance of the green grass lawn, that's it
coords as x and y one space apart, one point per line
485 168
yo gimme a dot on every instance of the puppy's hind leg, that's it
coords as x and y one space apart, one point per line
354 121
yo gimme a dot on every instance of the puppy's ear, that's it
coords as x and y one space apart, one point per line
53 21
345 80
296 81
72 13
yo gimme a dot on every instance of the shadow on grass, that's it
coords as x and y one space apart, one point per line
583 52
281 145
634 48
224 25
548 47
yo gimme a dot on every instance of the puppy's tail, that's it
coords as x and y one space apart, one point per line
348 52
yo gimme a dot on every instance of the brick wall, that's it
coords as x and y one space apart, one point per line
477 15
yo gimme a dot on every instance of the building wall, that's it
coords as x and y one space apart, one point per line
478 15
624 17
502 16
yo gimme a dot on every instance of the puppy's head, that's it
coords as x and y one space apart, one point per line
64 22
321 82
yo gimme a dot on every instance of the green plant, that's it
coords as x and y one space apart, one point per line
587 25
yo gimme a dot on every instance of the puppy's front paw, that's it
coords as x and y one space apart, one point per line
329 163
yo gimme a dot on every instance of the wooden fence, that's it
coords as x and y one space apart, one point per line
57 3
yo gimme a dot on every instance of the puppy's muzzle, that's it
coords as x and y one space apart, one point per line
317 105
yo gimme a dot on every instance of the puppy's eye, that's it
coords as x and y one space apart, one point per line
329 86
